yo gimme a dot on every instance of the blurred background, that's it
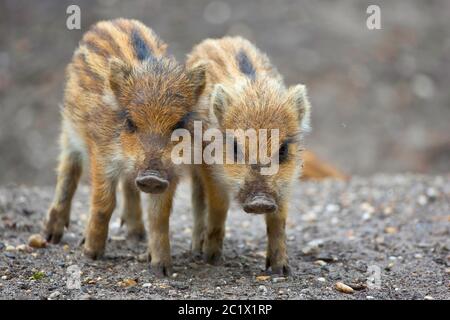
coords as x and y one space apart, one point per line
381 98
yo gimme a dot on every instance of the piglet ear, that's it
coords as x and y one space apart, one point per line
298 96
220 99
197 78
119 73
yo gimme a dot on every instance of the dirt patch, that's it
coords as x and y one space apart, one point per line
394 226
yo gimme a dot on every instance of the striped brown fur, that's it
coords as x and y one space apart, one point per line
123 97
245 91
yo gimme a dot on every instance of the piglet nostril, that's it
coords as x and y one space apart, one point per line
260 204
151 183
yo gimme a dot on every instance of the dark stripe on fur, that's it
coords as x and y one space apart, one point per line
245 65
141 49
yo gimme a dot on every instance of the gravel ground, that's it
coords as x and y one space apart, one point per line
337 232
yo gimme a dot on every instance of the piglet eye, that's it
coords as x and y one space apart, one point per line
283 152
183 123
130 126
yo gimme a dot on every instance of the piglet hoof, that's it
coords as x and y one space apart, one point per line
161 269
53 237
280 269
54 226
197 249
136 235
213 258
284 270
197 255
135 231
93 254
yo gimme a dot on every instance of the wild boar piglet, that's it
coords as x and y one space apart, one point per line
245 94
123 98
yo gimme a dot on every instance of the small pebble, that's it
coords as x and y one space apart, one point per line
391 230
334 220
118 238
342 287
367 207
370 297
332 207
143 257
21 247
422 200
54 295
358 286
172 292
366 216
262 289
10 248
313 246
432 194
125 283
222 282
392 258
10 255
147 285
278 279
379 239
320 263
309 217
262 278
389 266
261 254
387 211
321 279
428 298
37 241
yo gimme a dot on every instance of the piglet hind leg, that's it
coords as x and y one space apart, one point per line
199 215
132 211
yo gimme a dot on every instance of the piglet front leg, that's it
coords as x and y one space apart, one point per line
103 202
159 210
